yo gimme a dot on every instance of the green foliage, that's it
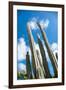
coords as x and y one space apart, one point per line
21 75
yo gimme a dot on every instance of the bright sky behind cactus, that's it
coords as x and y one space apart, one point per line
47 19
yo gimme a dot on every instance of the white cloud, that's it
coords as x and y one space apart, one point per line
22 49
21 67
44 24
34 19
34 26
54 46
37 46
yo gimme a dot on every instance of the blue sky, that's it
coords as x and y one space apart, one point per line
24 16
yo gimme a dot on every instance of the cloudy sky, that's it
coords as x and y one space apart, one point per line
48 21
